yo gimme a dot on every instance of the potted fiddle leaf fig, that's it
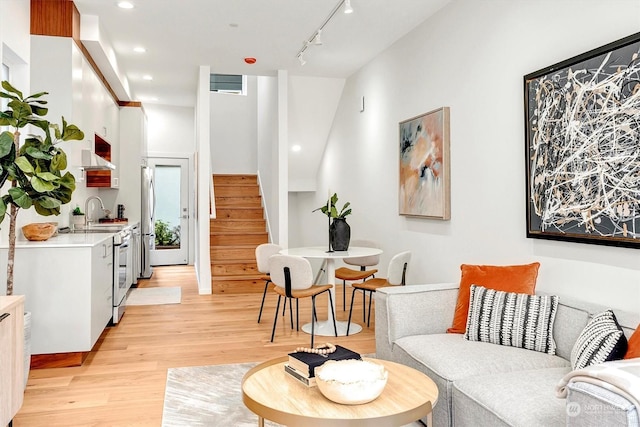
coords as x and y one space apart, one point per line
35 169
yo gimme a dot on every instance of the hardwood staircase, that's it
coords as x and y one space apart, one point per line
238 229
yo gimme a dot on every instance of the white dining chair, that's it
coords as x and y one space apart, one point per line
396 276
349 274
293 278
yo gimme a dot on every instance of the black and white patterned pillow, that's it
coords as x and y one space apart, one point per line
600 341
512 319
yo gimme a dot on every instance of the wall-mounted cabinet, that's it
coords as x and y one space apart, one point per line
102 178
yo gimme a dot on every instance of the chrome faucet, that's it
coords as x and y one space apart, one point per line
87 220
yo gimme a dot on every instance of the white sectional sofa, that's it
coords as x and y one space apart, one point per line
484 384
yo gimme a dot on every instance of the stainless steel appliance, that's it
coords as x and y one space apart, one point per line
147 228
122 271
135 252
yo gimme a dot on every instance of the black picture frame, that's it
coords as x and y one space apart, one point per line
582 147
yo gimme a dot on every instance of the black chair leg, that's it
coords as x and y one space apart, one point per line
313 316
369 315
275 318
333 315
291 311
364 306
353 296
284 307
344 295
297 315
266 286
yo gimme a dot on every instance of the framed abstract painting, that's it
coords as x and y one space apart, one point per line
582 153
425 177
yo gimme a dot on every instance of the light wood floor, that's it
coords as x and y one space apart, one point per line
122 381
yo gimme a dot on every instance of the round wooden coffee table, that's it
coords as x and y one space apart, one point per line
272 394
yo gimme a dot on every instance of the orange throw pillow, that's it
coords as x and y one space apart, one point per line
509 278
633 349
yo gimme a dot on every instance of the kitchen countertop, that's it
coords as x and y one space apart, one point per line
61 241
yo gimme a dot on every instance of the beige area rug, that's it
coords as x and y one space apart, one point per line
210 396
154 296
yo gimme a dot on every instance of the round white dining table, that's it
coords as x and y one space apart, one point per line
325 327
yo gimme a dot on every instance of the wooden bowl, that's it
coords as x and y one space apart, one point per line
39 231
351 382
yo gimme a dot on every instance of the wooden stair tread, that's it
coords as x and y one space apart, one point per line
238 233
241 208
232 221
231 277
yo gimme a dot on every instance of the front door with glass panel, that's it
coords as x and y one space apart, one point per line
171 224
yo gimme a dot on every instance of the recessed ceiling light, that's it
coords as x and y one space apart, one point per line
296 148
147 77
125 5
139 49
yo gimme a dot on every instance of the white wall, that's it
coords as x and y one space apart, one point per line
233 131
471 56
170 129
267 138
312 104
203 182
15 49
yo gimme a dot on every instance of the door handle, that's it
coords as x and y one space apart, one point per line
3 316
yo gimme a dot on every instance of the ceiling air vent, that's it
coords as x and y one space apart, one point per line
227 83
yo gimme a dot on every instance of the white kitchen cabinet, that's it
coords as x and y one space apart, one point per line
11 356
101 287
133 149
67 282
77 93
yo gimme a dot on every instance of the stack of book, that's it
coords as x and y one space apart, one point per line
302 365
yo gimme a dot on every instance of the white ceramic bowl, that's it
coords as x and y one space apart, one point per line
351 382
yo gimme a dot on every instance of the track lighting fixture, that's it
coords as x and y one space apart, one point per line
316 37
347 6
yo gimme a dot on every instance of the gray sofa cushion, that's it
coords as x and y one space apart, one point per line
523 399
438 356
570 322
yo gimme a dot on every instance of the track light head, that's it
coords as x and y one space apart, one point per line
317 40
347 6
301 59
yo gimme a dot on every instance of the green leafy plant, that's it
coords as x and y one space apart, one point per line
165 235
330 209
34 168
77 211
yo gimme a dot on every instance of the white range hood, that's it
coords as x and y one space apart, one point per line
91 162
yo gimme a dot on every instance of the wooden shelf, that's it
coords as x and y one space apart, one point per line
100 178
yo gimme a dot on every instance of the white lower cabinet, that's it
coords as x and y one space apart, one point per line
67 289
11 356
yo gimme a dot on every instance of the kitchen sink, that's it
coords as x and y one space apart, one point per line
96 228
